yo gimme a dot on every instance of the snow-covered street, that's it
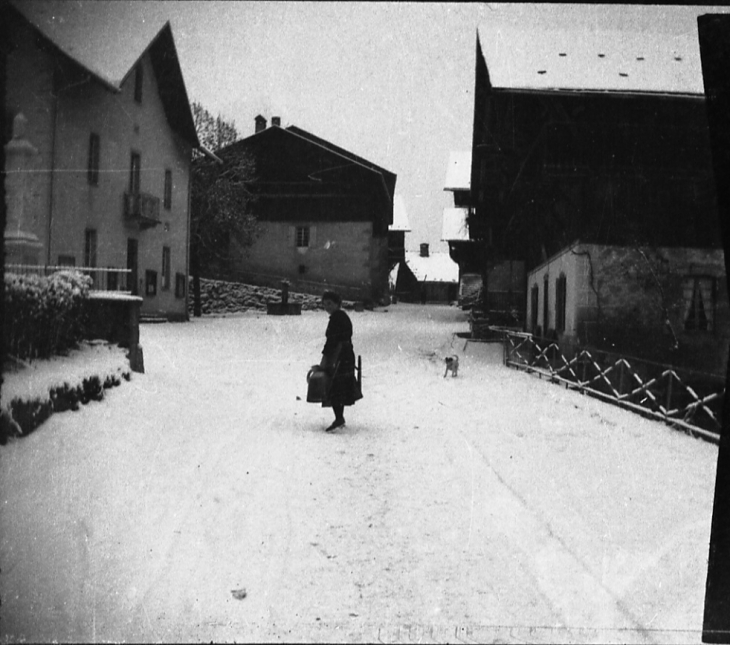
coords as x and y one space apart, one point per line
492 507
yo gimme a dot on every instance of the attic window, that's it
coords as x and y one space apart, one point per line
622 74
562 54
678 58
601 55
639 58
541 71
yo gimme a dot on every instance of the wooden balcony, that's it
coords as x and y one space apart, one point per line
142 208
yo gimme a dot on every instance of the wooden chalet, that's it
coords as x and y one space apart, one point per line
324 214
602 139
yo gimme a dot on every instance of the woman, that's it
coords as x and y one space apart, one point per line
338 359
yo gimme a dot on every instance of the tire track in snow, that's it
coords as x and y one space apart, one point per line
557 569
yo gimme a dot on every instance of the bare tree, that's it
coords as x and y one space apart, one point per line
221 217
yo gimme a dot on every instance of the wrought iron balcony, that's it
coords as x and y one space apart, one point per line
142 208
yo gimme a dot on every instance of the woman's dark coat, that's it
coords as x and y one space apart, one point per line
340 361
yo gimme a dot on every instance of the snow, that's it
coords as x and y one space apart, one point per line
458 172
455 225
435 267
592 59
202 501
400 216
34 380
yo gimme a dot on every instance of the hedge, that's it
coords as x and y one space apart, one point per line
44 315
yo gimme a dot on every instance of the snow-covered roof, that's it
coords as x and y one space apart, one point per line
455 227
109 52
458 172
437 267
592 60
400 216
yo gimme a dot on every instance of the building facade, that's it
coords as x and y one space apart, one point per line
323 214
606 141
667 304
108 184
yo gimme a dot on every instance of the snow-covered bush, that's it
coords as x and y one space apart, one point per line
44 315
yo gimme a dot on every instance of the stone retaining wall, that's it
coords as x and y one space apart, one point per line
220 297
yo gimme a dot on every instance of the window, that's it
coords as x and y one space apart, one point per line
93 169
138 78
545 305
165 268
90 248
560 297
66 261
302 236
534 304
302 269
167 201
134 173
150 283
699 303
180 285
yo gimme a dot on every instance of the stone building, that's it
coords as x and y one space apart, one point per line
324 215
108 183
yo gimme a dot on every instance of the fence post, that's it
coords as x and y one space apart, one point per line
621 378
669 393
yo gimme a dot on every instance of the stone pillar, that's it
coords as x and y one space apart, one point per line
21 246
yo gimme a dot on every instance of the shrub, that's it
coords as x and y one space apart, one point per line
44 315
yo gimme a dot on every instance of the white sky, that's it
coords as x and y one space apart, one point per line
391 82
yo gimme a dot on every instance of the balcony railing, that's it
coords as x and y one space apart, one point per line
142 208
103 278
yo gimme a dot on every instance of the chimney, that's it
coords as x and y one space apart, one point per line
276 120
424 250
260 124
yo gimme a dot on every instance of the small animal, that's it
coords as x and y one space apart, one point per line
452 365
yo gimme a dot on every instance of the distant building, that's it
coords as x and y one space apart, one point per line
504 296
397 233
108 181
426 277
324 213
602 139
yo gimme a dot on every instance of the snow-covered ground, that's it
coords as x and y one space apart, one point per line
33 380
202 501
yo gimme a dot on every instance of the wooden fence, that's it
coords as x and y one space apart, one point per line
688 399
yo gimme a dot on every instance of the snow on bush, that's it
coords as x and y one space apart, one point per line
34 391
44 315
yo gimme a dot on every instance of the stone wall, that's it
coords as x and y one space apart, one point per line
220 297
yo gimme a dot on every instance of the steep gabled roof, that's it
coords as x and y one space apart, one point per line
389 178
592 61
165 63
350 162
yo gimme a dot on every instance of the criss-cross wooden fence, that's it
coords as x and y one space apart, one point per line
688 399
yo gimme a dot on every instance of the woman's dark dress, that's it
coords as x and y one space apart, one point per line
340 361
